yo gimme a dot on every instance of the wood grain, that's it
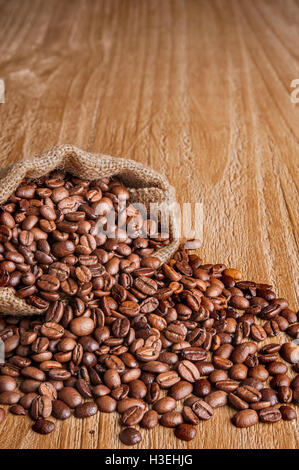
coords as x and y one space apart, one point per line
198 90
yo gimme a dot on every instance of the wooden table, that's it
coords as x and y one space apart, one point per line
198 90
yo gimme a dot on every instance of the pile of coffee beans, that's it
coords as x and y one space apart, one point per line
158 344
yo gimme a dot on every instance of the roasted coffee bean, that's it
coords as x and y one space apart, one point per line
188 371
70 396
202 388
153 392
185 432
132 416
290 352
285 394
270 415
164 405
181 390
202 410
167 379
9 398
85 410
171 419
43 426
48 389
237 402
150 419
280 380
228 385
7 383
17 410
41 407
137 389
216 399
245 418
248 394
130 436
106 404
288 413
27 400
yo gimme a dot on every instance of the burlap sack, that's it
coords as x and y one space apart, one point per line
144 184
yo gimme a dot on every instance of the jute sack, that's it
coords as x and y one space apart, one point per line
144 185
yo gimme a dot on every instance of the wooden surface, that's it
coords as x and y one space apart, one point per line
199 90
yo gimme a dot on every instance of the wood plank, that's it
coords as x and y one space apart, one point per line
198 90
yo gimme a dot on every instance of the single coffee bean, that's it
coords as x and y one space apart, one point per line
245 418
132 416
17 410
202 388
202 410
150 419
9 398
130 436
287 413
216 399
60 410
285 394
185 432
7 383
188 371
172 419
270 415
70 396
181 390
85 410
290 352
164 405
248 394
43 426
237 402
106 404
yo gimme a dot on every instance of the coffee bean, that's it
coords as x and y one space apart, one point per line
17 410
202 388
216 399
82 326
180 390
287 413
106 404
248 393
130 436
41 407
202 410
185 432
60 410
245 418
70 396
7 383
132 416
188 371
270 415
43 426
290 352
9 398
150 419
172 419
85 410
285 394
164 405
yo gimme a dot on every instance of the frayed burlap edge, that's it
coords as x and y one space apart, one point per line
145 186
